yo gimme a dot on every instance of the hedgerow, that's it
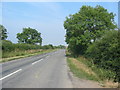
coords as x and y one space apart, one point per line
105 53
8 46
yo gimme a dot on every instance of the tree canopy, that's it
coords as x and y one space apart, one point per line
3 33
29 36
86 26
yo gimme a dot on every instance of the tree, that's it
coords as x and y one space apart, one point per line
3 33
86 26
29 36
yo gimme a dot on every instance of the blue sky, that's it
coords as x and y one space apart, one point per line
46 17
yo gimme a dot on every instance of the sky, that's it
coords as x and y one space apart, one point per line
47 17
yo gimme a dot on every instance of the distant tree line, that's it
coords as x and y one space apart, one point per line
92 32
28 36
27 40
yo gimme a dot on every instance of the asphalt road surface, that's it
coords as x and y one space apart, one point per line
41 71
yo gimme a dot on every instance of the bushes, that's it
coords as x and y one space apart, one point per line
7 46
105 53
23 46
50 46
9 49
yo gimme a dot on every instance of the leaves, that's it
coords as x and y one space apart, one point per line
3 33
30 36
87 25
106 52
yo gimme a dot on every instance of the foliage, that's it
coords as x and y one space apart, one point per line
29 36
105 52
60 46
8 56
100 74
86 26
7 46
50 46
24 46
3 32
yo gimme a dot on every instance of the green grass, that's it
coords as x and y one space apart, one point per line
104 77
101 73
21 54
79 72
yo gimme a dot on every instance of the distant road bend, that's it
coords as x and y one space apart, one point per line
41 71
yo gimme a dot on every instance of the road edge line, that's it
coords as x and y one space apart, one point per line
10 74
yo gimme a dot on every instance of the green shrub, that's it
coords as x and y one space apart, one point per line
105 53
7 46
50 46
23 46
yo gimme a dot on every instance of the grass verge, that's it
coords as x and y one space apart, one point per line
22 54
80 70
83 68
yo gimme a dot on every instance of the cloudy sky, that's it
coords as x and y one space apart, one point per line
46 17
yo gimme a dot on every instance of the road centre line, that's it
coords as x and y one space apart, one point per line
37 61
10 74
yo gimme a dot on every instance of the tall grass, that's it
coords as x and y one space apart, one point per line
102 73
79 72
19 53
103 76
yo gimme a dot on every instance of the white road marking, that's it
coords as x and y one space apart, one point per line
37 61
10 74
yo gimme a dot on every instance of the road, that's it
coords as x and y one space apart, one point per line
41 71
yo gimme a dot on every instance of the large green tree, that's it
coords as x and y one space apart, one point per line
30 36
86 26
3 33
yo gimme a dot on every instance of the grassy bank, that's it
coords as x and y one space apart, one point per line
8 56
80 70
84 68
